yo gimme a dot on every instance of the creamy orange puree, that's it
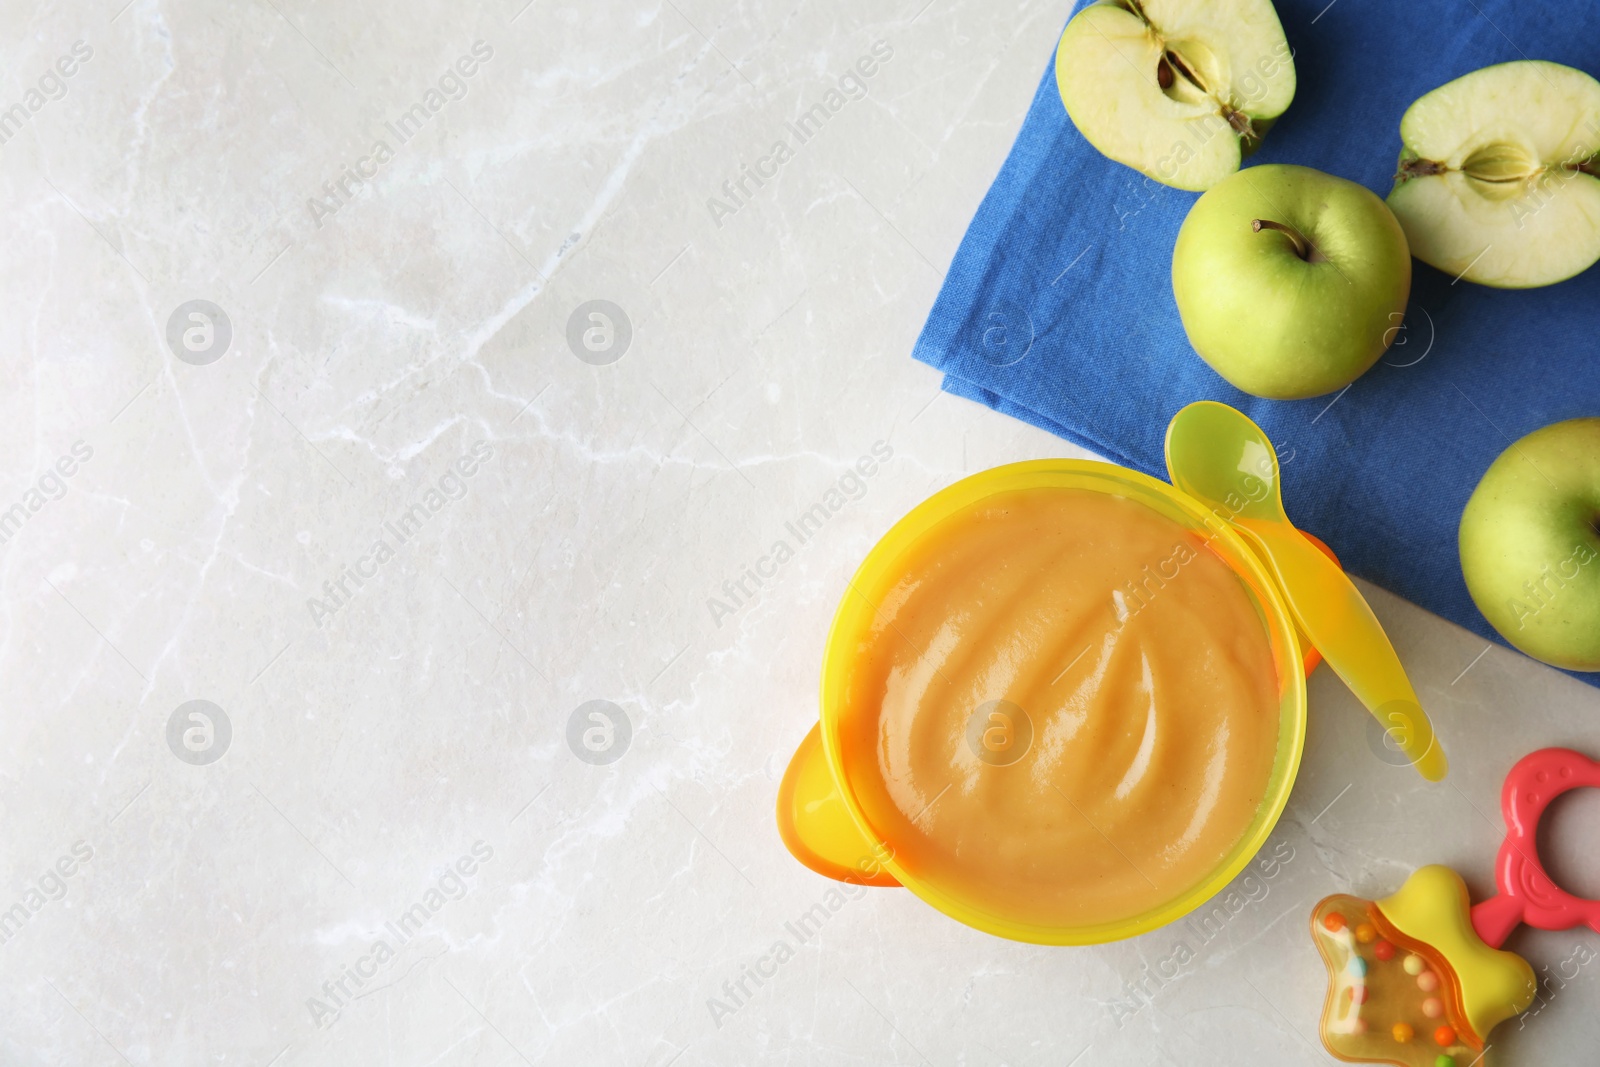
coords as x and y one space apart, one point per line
1146 676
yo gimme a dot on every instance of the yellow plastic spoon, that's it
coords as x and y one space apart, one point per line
1221 458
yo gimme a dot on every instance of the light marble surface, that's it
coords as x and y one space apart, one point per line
378 738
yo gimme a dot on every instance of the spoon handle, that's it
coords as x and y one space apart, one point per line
1333 614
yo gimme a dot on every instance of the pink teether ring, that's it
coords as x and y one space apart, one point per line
1527 893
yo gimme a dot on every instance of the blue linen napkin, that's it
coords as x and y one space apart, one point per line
1058 307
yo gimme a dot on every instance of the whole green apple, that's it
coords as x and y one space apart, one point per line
1530 544
1290 282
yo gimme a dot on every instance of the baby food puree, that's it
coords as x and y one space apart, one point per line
1066 709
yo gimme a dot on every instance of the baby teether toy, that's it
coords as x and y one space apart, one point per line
1418 979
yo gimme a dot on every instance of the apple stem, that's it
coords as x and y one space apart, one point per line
1419 168
1302 247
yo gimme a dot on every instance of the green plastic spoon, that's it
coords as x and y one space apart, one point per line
1221 458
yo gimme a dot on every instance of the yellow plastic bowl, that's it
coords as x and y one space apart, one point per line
819 813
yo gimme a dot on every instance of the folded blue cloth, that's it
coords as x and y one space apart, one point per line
1058 308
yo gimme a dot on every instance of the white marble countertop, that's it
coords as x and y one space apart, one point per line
373 506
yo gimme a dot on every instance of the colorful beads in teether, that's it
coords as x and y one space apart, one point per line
1406 1008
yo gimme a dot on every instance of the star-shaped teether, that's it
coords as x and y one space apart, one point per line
1394 998
1418 979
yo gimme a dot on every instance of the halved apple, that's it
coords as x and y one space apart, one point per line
1499 179
1179 91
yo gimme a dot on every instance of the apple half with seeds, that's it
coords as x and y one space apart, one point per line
1179 91
1499 178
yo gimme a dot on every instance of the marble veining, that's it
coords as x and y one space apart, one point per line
386 678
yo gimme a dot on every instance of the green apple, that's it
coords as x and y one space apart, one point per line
1290 282
1499 179
1180 91
1530 544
